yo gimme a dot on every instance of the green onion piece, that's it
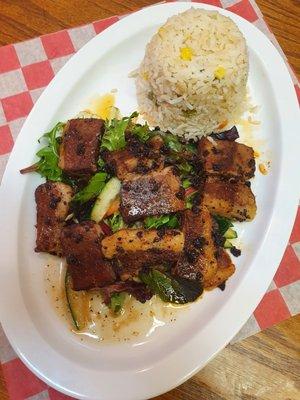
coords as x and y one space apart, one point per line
117 302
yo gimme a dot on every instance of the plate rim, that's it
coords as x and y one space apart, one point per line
286 115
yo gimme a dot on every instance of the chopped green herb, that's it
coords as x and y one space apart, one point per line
189 113
184 167
117 302
93 188
189 200
101 163
186 183
170 289
114 135
191 147
115 222
172 142
168 221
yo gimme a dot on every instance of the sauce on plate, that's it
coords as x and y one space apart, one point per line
103 106
136 321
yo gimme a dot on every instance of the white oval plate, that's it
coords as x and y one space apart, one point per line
173 353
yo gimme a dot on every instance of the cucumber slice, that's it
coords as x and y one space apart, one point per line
227 244
77 303
105 198
230 234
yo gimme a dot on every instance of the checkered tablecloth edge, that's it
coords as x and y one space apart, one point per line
25 70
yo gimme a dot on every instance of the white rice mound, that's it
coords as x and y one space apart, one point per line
193 77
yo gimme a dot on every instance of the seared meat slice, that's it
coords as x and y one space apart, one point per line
229 198
136 158
224 271
227 158
159 192
198 261
133 240
124 164
137 248
81 244
79 150
52 204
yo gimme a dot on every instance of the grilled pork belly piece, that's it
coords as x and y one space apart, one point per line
137 248
136 158
198 261
229 198
159 192
52 204
227 158
81 244
225 269
79 150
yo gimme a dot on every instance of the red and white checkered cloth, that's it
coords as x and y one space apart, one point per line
25 70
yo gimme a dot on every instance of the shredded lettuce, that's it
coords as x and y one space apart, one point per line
114 135
47 166
143 132
168 221
115 222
